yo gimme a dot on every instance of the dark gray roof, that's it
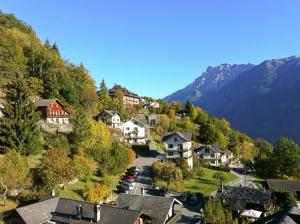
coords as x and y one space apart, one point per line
125 91
39 212
240 195
154 206
187 136
44 102
63 210
288 216
284 185
109 112
214 148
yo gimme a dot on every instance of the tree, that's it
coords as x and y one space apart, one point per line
287 154
19 125
189 107
220 177
105 99
208 134
14 171
81 129
56 168
214 212
201 118
84 167
265 149
96 192
199 172
284 200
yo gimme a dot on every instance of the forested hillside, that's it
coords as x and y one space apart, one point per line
49 75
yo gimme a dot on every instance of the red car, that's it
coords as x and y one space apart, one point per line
131 177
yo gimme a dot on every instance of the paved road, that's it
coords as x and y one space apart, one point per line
245 180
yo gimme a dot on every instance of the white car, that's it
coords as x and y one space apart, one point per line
127 186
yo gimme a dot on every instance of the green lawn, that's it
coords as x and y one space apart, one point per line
207 184
75 191
9 205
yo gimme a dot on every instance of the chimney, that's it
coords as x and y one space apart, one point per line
222 187
142 191
79 212
97 213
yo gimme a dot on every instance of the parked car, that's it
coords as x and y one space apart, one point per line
193 200
132 172
132 177
127 186
135 168
130 181
183 197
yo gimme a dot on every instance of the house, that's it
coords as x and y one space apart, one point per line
287 216
179 145
67 211
292 186
134 132
110 118
129 98
213 155
162 210
52 111
242 198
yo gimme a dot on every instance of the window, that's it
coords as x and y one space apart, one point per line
170 146
170 153
127 128
175 139
206 150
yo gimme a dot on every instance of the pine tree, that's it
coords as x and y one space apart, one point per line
19 128
81 129
105 99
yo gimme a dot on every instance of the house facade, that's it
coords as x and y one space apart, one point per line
134 132
213 155
179 145
52 111
129 98
110 118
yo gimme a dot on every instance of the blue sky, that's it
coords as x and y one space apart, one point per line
155 47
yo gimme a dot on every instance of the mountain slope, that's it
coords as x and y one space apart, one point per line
210 82
263 101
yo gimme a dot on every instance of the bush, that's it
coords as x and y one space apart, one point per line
96 193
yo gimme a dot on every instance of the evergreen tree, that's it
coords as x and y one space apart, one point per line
189 107
105 99
19 125
81 129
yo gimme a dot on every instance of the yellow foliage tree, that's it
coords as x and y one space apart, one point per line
96 192
100 135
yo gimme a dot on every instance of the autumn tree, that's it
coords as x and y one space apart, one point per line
14 171
84 167
220 177
56 168
96 192
19 124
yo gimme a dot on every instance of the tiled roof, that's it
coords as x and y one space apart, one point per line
155 207
284 185
288 216
244 195
185 135
44 102
126 92
63 210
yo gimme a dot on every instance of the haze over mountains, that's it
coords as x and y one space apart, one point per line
261 100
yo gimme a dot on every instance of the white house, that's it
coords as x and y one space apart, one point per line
134 132
111 118
179 145
213 155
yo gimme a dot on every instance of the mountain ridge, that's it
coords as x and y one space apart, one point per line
263 102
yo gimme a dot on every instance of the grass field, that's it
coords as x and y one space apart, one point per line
206 184
74 191
9 205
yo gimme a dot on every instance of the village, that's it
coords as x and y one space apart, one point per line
174 178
